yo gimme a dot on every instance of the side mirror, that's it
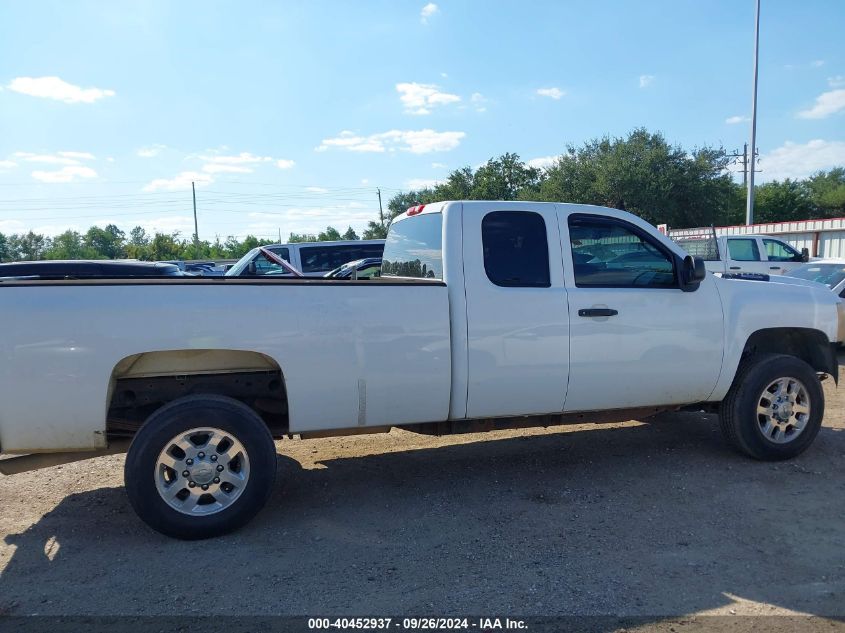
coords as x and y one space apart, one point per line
805 255
693 272
251 269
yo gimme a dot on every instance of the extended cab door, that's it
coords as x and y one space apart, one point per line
637 339
745 255
517 316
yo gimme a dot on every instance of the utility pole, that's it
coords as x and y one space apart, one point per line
746 162
280 235
196 229
380 212
749 210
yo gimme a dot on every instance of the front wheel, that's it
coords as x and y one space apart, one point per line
200 466
775 407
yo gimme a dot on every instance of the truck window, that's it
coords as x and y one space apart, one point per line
414 248
777 251
608 253
516 251
265 267
743 250
322 259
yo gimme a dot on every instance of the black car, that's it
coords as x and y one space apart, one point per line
83 269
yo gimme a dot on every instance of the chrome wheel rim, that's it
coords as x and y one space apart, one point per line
202 471
783 410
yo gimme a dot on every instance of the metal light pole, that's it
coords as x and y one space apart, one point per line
749 209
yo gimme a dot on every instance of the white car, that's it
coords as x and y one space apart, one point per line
830 272
738 254
487 315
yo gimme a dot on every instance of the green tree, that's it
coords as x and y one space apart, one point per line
778 201
31 246
645 175
106 243
301 237
350 234
504 178
166 247
827 191
68 245
5 252
331 234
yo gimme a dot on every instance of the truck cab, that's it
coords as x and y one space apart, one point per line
760 254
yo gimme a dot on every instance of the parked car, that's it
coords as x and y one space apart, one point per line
79 269
314 259
366 268
487 315
830 272
745 253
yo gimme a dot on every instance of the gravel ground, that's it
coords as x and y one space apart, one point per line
633 519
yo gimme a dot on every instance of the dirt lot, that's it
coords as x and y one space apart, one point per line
628 519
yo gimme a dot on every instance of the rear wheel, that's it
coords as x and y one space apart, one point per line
200 466
775 407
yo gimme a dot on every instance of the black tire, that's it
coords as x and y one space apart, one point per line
231 417
738 416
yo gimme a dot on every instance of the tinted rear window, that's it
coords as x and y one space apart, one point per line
318 259
516 251
414 248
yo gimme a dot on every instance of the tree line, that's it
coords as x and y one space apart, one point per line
113 243
641 173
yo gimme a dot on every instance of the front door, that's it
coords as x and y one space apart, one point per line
637 339
517 317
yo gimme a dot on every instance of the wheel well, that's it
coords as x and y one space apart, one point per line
811 346
142 383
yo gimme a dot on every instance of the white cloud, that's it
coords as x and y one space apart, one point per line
58 89
479 100
428 11
50 159
438 165
826 104
7 164
733 120
217 168
836 82
244 158
420 98
180 181
365 181
553 93
65 174
646 80
151 151
110 159
316 189
77 155
818 63
414 141
543 162
800 160
416 184
283 163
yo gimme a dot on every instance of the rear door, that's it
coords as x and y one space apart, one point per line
745 255
637 339
517 317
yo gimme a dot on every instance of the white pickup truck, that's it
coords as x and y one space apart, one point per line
488 315
758 254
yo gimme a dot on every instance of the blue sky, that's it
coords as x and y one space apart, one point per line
288 116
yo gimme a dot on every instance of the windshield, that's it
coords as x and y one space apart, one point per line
827 274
